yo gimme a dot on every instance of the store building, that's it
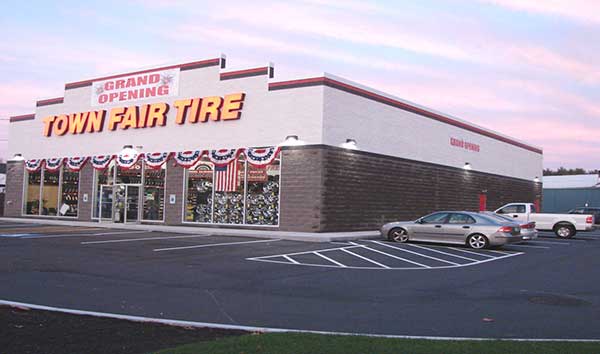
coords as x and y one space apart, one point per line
563 193
195 144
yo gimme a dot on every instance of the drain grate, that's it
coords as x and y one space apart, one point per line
558 300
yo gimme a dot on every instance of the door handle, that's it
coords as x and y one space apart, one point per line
438 226
466 227
515 216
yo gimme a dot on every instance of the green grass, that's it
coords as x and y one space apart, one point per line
298 343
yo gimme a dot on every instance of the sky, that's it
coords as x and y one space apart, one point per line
526 68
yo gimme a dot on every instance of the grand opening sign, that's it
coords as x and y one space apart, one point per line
191 110
163 83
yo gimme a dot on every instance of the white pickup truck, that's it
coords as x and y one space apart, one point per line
563 225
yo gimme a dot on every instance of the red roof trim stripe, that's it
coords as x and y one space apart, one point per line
245 73
185 66
395 103
49 101
22 117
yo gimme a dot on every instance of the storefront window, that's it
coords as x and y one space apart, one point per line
70 193
199 192
50 193
154 193
32 198
262 206
229 193
131 175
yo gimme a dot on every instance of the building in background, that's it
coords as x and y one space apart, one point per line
194 144
563 193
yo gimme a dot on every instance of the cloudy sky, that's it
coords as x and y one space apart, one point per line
526 68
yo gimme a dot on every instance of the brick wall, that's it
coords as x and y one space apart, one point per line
301 189
174 185
13 202
86 186
364 190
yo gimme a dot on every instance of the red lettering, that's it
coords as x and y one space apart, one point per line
109 85
102 98
163 90
142 80
112 96
119 84
154 78
130 82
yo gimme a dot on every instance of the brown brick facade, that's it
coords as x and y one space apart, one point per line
326 188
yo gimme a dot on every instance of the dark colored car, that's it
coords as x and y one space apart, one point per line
588 210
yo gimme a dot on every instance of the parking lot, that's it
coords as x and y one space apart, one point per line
527 290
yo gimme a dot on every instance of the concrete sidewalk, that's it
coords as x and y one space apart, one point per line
273 234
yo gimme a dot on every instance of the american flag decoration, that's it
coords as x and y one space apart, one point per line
260 157
100 162
33 165
226 177
53 164
187 159
223 157
127 161
76 163
156 159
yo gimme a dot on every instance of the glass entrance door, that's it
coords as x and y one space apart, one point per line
120 203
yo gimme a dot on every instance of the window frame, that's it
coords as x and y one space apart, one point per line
42 172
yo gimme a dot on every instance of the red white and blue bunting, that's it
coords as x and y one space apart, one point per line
100 162
53 164
260 157
76 163
33 165
223 157
156 159
187 159
127 161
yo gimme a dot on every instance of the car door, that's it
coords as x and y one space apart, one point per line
457 228
430 227
516 211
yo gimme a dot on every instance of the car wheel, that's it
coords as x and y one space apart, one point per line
398 235
478 241
564 230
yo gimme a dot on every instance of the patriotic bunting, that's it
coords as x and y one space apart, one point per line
187 159
101 162
128 160
223 157
33 165
54 164
156 159
260 157
76 163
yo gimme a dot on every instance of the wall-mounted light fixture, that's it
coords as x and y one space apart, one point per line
536 179
17 158
467 166
128 150
349 144
291 140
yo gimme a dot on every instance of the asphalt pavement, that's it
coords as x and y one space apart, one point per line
546 288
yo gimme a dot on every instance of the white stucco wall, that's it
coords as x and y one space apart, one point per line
388 130
267 118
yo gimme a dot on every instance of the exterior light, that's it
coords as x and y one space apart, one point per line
128 150
536 179
467 166
17 158
291 140
350 144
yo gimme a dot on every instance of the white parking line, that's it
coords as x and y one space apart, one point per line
142 239
366 259
89 234
475 253
452 254
329 259
418 254
400 258
291 259
212 245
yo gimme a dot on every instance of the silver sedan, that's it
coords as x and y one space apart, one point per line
455 227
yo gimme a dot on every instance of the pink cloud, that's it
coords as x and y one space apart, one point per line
580 10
